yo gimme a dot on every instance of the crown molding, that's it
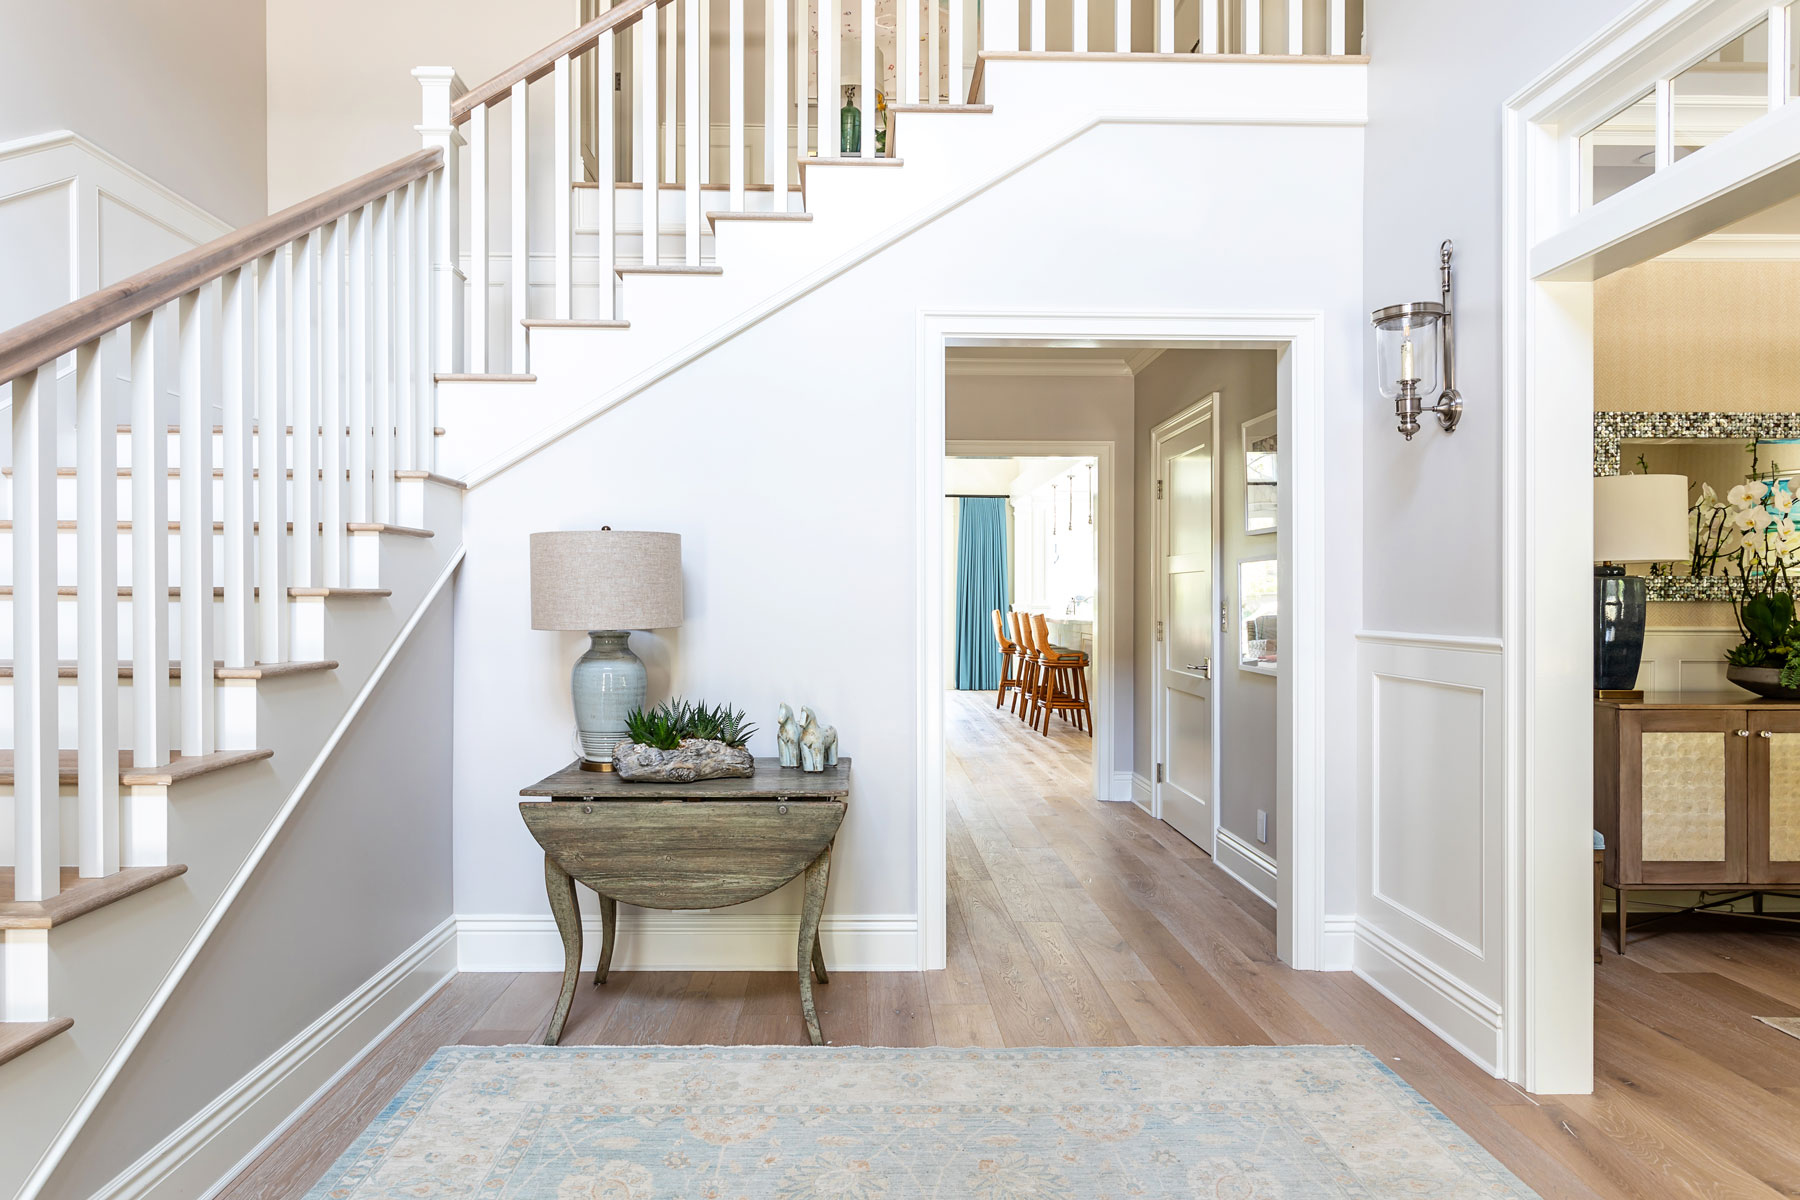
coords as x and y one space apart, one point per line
1087 368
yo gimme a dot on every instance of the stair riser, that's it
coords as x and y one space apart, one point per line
301 613
143 822
234 711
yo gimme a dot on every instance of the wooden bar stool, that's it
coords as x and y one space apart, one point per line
1061 682
1029 668
1009 651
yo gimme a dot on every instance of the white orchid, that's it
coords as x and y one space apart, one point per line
1751 520
1780 499
1708 497
1748 493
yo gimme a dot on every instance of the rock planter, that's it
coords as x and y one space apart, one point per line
1764 681
695 758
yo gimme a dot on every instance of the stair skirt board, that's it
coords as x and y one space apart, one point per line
213 1145
71 1129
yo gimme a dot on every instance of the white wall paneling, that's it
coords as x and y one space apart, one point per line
1687 659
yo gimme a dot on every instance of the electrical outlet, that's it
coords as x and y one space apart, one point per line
1262 825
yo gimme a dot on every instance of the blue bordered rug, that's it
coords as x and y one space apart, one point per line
867 1123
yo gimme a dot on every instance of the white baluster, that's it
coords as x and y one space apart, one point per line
906 57
97 618
357 385
397 435
37 815
562 179
303 392
865 96
1165 23
480 257
521 236
332 417
705 27
740 153
149 556
236 506
1209 27
955 90
775 131
1296 27
1078 22
416 453
1037 24
195 702
696 136
831 93
271 432
606 172
671 115
1336 30
1252 26
651 170
999 31
1122 25
934 55
381 395
803 57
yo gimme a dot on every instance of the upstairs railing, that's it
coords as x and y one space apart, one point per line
322 318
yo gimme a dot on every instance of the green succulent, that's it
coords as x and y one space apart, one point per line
653 729
672 722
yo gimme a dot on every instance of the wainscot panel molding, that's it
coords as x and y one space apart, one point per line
1340 942
217 1142
1430 919
1140 791
1247 863
689 941
1687 659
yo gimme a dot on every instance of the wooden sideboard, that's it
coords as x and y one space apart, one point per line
1697 791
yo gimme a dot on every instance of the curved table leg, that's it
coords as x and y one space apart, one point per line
568 923
818 874
818 962
609 929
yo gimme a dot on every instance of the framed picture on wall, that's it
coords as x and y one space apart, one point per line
1260 477
1258 612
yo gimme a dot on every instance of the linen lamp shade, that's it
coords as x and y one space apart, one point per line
1641 518
605 579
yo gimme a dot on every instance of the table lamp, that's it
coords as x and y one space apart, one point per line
1637 519
606 583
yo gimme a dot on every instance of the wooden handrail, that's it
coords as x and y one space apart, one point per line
44 339
537 65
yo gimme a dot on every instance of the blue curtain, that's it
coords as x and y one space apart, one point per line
980 588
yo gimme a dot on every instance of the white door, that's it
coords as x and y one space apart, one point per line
1186 607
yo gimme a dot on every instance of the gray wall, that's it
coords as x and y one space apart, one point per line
175 88
1245 381
360 873
1438 76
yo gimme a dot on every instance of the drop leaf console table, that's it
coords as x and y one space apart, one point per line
708 844
1698 791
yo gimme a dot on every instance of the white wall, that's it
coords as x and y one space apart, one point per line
801 550
359 875
173 87
1432 862
1011 408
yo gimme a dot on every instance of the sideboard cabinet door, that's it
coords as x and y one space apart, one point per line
1683 795
1774 778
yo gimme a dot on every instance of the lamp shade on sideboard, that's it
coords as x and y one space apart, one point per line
1641 518
605 579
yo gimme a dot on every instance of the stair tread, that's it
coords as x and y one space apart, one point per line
221 429
379 527
16 1037
434 477
750 215
850 160
178 768
940 108
669 269
487 378
6 589
572 323
78 896
66 669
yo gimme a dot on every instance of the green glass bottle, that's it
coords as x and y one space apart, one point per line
850 125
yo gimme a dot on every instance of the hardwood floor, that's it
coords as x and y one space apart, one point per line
1079 923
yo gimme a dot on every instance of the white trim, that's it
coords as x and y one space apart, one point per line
40 142
1439 1001
1109 614
1301 798
1738 247
1136 361
1248 864
1340 942
1122 783
210 1149
1085 368
1432 641
1141 791
688 941
122 1054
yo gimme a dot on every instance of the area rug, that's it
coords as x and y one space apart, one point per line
1787 1025
850 1123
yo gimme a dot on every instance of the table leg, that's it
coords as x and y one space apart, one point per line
568 923
1619 918
609 929
818 874
818 962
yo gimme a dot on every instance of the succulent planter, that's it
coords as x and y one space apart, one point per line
1764 681
695 758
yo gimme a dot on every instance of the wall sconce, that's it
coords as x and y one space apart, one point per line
1410 342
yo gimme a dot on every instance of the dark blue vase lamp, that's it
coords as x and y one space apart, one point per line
605 583
1637 519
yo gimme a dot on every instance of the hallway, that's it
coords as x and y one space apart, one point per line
1079 923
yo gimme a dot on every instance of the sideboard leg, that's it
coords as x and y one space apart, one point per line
1619 919
568 923
818 874
818 961
609 929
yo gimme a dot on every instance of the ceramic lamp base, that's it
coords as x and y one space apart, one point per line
607 685
1620 609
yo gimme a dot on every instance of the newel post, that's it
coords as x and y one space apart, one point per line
439 86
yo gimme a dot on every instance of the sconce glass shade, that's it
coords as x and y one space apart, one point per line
1407 347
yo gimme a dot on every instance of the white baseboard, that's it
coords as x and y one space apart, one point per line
1123 783
1140 791
1339 951
1249 865
689 941
210 1149
1443 1004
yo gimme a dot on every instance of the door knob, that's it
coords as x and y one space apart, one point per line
1765 733
1204 666
1743 733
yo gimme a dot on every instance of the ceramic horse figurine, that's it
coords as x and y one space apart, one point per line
787 737
812 742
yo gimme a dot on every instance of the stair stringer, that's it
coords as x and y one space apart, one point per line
113 970
949 161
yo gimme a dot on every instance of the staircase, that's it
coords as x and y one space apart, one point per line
236 479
